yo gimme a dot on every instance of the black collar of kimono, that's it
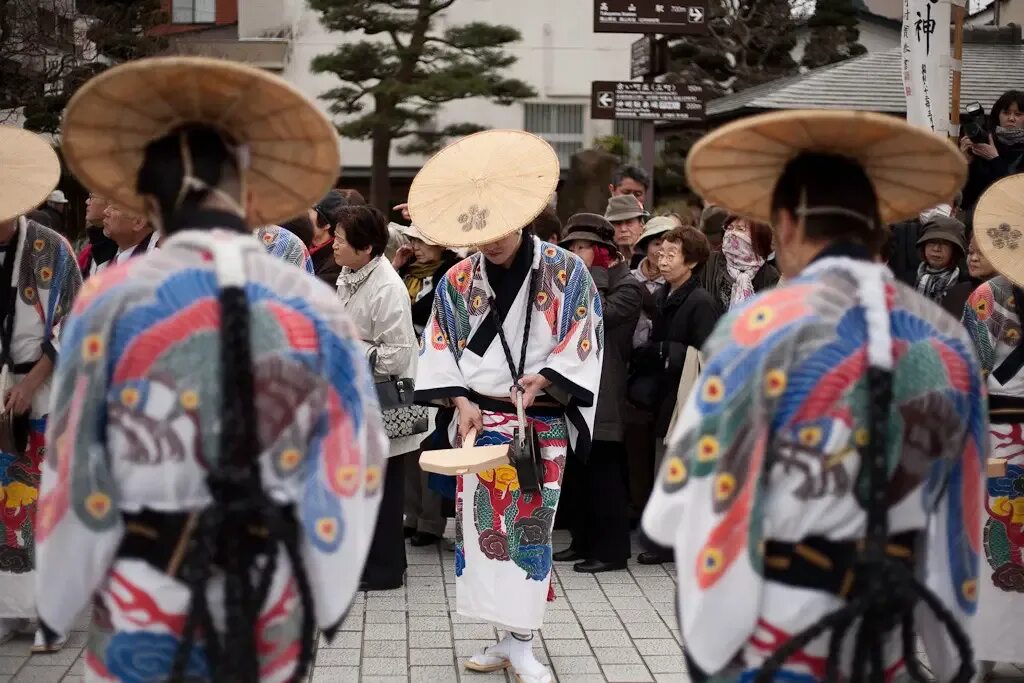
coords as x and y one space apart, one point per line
505 283
678 296
208 219
857 252
8 296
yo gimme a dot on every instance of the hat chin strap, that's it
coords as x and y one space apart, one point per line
191 183
803 211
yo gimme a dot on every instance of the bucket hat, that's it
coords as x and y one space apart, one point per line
483 187
289 147
29 170
590 227
623 207
999 227
946 229
659 225
738 165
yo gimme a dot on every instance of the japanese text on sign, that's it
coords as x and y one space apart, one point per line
647 101
650 16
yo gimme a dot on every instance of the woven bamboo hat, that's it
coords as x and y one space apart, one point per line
738 165
29 170
483 187
999 227
292 148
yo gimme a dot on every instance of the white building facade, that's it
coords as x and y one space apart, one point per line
559 55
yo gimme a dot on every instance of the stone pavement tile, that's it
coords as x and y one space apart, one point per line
609 639
642 570
617 655
596 609
77 669
384 679
672 678
433 674
352 624
337 658
605 578
19 646
664 583
597 623
428 639
562 632
428 597
569 581
472 631
665 664
650 629
587 595
384 666
568 648
461 619
468 648
40 674
658 647
437 609
629 602
72 679
383 648
421 558
423 570
565 666
626 673
622 589
386 603
386 632
384 618
342 639
429 623
559 617
635 616
584 678
432 657
10 664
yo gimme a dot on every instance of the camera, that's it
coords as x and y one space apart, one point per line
974 123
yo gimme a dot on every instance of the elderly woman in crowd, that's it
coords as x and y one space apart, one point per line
422 265
741 268
377 301
686 315
600 525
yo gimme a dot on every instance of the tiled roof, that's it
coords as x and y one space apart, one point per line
873 82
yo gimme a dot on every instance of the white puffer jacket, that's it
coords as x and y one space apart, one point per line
378 303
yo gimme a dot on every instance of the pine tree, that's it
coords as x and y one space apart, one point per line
408 70
833 34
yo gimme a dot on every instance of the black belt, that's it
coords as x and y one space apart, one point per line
1005 409
497 405
821 564
162 538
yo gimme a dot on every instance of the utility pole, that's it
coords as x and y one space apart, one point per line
647 144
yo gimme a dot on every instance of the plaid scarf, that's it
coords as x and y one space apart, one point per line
934 283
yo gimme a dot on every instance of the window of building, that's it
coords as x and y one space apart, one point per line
193 11
560 124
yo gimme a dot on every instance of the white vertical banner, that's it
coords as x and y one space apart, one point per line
926 62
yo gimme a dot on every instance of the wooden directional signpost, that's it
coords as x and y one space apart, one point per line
648 101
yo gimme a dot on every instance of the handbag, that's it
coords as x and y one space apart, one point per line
524 451
402 417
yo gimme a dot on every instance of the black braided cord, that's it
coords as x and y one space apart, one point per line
517 373
885 590
239 503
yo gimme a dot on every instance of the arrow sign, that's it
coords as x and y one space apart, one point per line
696 15
606 99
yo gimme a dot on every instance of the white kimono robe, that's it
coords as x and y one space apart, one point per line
503 535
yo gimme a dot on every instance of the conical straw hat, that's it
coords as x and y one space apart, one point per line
738 165
292 146
29 170
999 227
483 187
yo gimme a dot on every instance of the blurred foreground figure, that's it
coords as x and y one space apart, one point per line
217 455
822 487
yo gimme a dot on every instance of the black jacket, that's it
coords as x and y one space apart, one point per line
956 296
714 277
421 309
983 172
324 265
685 318
905 256
621 296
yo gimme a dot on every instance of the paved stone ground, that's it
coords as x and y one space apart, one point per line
618 626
